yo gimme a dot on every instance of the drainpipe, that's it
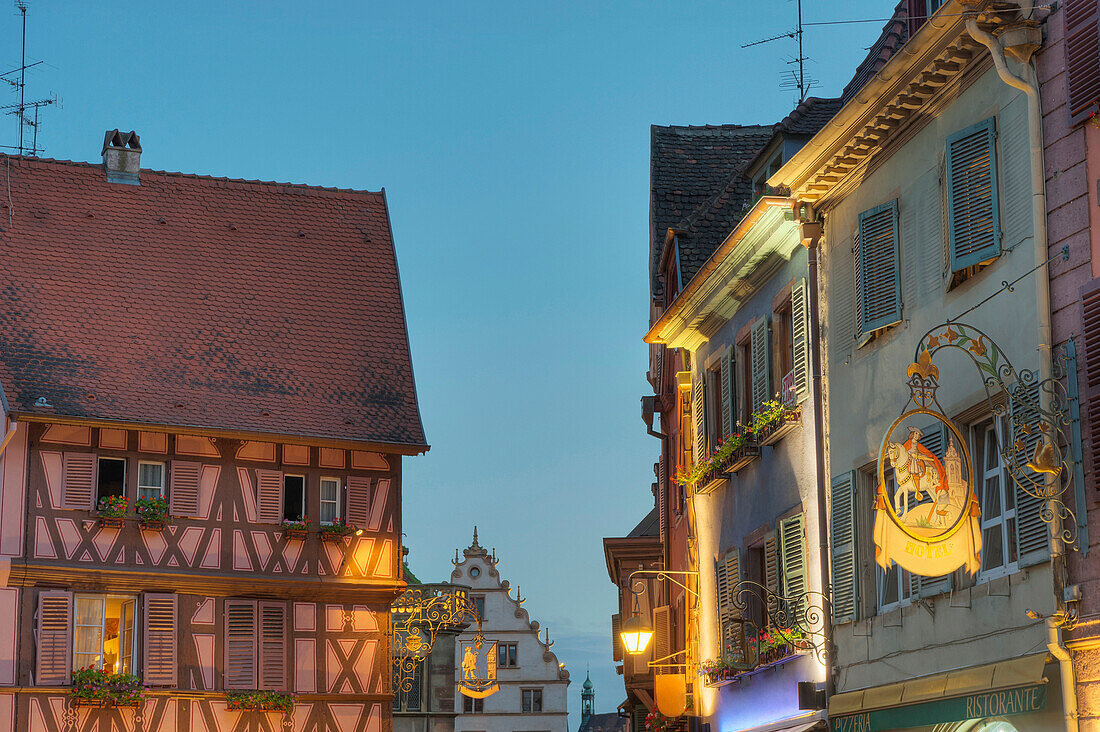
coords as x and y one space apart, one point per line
1065 665
1020 43
811 232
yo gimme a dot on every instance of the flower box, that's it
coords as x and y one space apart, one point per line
259 701
83 701
96 687
151 525
334 536
774 432
296 534
723 677
111 522
740 458
711 483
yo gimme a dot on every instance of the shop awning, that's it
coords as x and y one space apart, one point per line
802 723
1008 687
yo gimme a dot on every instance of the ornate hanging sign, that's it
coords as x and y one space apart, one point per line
479 668
927 517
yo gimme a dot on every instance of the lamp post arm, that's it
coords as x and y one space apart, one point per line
637 586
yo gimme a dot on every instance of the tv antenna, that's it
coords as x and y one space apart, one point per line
798 80
28 119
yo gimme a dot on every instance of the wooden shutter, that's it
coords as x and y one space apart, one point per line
792 562
78 480
616 638
878 275
358 501
800 327
53 636
183 488
273 646
662 636
1032 533
725 385
761 363
662 499
1082 43
1090 380
771 573
159 640
842 542
699 416
857 268
240 644
973 221
727 574
269 495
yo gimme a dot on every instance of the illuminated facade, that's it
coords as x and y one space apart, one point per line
533 686
157 361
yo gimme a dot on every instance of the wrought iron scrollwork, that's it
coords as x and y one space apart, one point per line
797 620
418 616
1034 412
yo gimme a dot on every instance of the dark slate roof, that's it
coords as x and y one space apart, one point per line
203 302
809 116
894 35
649 526
610 722
688 166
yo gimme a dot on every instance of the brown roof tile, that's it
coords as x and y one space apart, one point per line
203 302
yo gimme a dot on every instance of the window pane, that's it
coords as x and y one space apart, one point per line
512 655
112 478
992 548
88 632
126 638
151 474
1011 525
991 508
294 495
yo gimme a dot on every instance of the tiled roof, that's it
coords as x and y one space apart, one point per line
203 302
894 35
609 722
690 165
809 116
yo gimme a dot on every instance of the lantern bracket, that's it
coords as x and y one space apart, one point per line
637 586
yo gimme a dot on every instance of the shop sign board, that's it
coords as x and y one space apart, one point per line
1002 703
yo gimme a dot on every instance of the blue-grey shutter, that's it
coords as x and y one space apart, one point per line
792 563
973 223
725 377
1032 533
842 542
878 269
857 331
760 346
800 327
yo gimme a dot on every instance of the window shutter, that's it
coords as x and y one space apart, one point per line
1082 42
269 495
662 500
53 635
183 490
662 636
1090 381
857 268
699 414
272 646
358 501
878 277
616 639
159 640
727 574
792 562
973 223
1032 533
77 480
725 380
771 571
800 326
842 540
240 644
761 363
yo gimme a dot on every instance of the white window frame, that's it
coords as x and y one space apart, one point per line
1008 543
335 502
163 479
102 627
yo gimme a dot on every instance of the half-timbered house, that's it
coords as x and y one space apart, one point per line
239 349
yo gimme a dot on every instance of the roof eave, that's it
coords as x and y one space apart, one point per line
688 298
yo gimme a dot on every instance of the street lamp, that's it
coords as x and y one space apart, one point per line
635 635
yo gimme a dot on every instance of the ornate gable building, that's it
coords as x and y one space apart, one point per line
533 686
234 354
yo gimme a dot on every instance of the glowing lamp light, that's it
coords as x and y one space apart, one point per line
635 635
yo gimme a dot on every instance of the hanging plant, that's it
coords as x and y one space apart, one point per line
259 701
338 529
657 722
296 529
152 513
96 687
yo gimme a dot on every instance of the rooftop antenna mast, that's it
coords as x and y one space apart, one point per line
799 81
20 110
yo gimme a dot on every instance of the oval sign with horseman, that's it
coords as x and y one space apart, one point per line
926 514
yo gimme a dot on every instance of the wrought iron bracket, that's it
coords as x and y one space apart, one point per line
637 586
656 663
803 617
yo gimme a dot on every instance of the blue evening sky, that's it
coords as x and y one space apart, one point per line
513 142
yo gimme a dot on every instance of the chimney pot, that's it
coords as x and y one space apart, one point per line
122 157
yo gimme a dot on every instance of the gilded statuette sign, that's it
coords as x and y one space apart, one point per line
479 668
927 518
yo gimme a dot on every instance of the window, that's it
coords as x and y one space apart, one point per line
255 645
893 584
532 700
472 706
103 632
997 500
150 480
330 500
1082 59
973 221
877 271
506 655
408 701
714 407
294 497
784 340
479 605
111 480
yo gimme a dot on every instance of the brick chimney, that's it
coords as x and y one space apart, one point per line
122 157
